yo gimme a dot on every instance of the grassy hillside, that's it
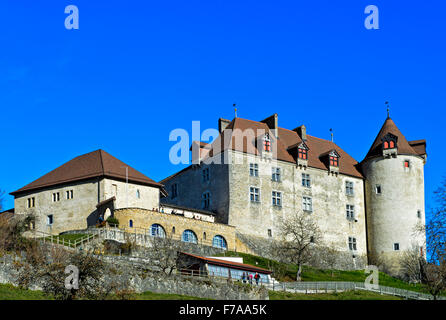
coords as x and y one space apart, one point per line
346 295
9 292
287 272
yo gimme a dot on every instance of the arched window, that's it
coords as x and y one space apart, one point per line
189 236
386 145
391 144
138 194
156 230
219 242
173 230
131 223
204 235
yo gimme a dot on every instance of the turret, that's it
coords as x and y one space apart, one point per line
394 187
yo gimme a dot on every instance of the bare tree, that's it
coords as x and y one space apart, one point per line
412 264
163 253
298 234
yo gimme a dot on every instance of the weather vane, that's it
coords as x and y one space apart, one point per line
235 109
388 112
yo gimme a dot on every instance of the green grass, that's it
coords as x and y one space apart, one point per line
10 292
287 272
346 295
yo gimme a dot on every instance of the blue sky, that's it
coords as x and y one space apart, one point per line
135 70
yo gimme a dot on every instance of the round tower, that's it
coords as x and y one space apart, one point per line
394 191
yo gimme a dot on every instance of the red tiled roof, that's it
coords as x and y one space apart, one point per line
225 263
286 139
91 165
403 145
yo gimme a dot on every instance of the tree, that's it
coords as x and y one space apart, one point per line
433 270
412 264
298 234
163 253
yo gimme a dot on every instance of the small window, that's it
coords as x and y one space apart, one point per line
205 200
334 161
131 223
49 219
31 202
307 204
306 181
174 190
378 189
270 233
419 214
349 188
253 169
302 153
56 196
277 198
276 174
266 143
173 230
396 246
254 194
205 174
204 235
350 211
69 194
352 243
138 194
312 239
406 164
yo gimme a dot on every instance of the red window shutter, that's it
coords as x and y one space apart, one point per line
406 164
386 145
392 144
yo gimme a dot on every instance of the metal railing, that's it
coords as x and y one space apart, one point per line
335 286
59 239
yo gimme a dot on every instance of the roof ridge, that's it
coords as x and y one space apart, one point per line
102 161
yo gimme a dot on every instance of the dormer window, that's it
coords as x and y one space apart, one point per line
266 143
389 141
334 160
302 153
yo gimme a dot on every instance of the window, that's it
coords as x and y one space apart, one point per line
174 190
253 169
396 246
276 174
350 211
266 143
419 214
307 204
131 223
204 235
334 161
352 243
115 189
219 242
49 219
254 194
378 189
277 198
31 202
69 194
205 174
173 230
56 196
389 141
406 164
349 188
270 233
156 230
306 182
312 239
189 236
302 153
138 194
205 200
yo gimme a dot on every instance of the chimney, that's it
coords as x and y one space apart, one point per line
302 132
272 123
222 124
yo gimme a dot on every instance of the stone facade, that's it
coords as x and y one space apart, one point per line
394 211
75 206
175 225
231 182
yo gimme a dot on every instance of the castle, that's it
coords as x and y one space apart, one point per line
244 184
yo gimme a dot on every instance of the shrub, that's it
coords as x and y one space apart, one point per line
113 221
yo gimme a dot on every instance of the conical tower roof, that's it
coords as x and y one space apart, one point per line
389 127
